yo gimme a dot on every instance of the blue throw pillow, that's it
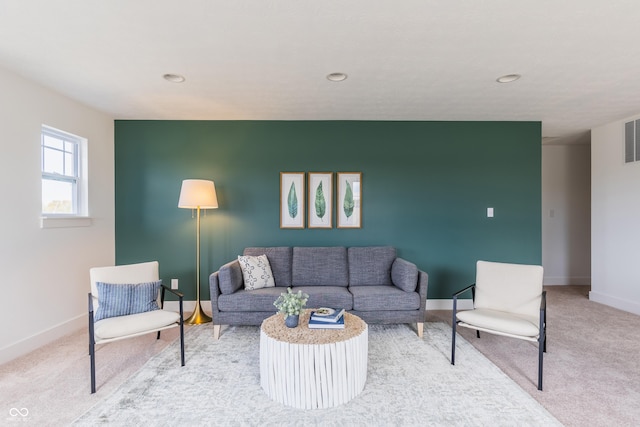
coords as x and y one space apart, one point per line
144 297
113 300
124 299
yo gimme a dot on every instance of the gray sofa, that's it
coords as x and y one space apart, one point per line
370 282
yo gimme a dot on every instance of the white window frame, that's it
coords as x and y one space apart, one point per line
631 139
79 217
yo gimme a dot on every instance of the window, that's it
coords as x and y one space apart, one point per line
63 186
632 141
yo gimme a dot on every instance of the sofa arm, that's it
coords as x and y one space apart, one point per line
214 290
227 280
423 285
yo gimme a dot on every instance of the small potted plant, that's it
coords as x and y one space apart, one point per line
291 304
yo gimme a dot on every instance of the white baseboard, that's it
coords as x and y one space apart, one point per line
432 304
47 336
447 304
27 345
615 302
564 281
188 306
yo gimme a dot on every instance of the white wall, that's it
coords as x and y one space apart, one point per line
44 272
566 214
615 225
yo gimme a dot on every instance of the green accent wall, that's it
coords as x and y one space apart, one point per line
426 187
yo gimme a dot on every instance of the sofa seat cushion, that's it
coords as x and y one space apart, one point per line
318 266
279 260
256 300
374 298
370 265
114 327
327 296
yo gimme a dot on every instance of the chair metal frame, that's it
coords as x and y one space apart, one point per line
92 340
542 336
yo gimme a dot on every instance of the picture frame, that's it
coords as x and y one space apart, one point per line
320 208
292 203
349 199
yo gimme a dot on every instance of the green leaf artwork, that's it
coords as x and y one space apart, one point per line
348 201
292 201
321 204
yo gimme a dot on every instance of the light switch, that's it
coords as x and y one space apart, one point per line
489 212
174 283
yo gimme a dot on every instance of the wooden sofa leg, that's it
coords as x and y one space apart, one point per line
420 326
216 332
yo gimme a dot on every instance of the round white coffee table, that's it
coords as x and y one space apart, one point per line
313 368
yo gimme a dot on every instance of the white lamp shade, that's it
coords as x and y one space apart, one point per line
198 193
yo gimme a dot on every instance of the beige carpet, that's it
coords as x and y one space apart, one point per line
592 372
410 382
52 383
591 369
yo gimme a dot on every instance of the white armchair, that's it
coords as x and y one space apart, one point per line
508 300
132 299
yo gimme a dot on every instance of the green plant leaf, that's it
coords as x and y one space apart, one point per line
348 200
291 303
292 201
321 204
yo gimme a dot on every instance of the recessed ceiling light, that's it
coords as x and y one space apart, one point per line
336 77
508 78
174 78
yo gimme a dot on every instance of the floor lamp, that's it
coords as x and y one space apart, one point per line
198 194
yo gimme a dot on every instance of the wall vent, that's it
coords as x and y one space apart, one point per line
632 141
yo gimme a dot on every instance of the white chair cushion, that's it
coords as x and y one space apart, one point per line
122 326
499 321
513 288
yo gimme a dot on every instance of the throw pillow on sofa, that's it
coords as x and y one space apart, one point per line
404 275
256 272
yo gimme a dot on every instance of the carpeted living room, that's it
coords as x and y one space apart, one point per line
591 377
445 134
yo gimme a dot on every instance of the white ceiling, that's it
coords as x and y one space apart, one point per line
267 59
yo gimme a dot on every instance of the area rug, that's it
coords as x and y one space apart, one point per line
410 381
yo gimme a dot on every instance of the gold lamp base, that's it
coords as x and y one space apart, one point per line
198 316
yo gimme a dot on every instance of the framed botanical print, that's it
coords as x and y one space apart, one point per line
292 199
349 199
320 210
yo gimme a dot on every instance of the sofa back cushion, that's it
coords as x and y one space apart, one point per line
320 266
371 265
279 260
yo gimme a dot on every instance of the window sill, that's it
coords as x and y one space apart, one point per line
64 222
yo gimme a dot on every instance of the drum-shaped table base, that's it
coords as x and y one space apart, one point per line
313 368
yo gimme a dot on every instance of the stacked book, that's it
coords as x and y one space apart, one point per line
327 318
